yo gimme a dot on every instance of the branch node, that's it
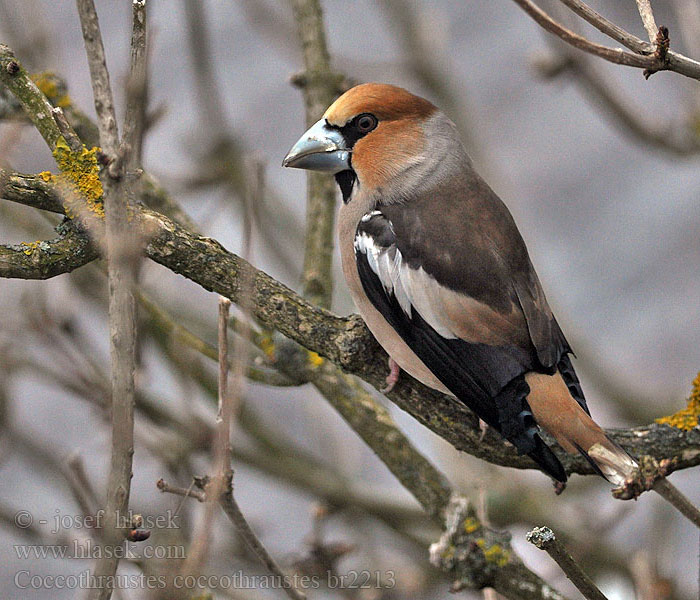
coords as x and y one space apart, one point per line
643 479
662 44
12 68
544 539
467 550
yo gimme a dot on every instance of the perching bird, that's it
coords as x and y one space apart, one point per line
442 277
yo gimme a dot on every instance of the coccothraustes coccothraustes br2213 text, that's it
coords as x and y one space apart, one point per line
442 277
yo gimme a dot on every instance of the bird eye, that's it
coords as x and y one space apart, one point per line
365 122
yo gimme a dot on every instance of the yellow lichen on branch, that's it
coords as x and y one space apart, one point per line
315 360
29 247
495 553
53 88
688 417
79 179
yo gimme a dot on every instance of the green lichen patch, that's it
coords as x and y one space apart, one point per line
79 180
687 418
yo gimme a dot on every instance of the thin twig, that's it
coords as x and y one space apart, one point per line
647 14
69 134
137 87
189 492
674 496
99 76
608 27
233 512
644 60
122 261
544 539
81 486
628 119
221 452
614 55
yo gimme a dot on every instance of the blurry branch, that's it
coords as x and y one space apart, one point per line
320 85
544 539
344 341
223 161
655 57
35 104
170 327
373 423
347 343
46 259
620 113
417 38
230 507
122 262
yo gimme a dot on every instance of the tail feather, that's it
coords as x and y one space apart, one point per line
547 460
612 461
555 409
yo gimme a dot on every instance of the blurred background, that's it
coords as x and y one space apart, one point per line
606 196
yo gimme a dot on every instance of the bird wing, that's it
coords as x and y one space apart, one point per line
471 317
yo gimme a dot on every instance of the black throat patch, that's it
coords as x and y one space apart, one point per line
346 181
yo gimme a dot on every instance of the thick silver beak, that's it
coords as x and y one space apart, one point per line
321 148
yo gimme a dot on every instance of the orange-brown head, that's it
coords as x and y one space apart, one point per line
373 133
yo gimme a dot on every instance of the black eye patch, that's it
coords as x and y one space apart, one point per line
358 127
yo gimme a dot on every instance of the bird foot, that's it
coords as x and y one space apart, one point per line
392 377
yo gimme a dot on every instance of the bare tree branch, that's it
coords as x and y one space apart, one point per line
122 257
647 14
544 539
35 104
650 62
608 27
346 342
622 114
233 512
320 87
137 87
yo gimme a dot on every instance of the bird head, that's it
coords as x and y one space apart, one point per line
374 135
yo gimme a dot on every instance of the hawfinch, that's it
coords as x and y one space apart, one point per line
442 277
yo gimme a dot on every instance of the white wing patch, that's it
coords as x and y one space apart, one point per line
414 288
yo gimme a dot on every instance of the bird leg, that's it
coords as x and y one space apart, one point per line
392 377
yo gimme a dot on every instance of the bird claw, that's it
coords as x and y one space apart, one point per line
392 377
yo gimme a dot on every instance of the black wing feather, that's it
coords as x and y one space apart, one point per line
488 379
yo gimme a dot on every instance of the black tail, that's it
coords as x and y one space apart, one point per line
547 460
